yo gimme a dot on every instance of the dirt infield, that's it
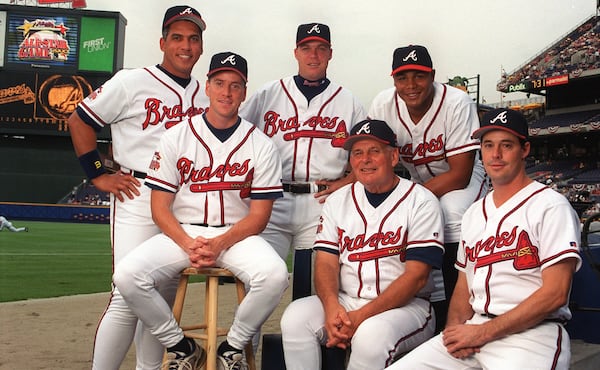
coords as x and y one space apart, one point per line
57 333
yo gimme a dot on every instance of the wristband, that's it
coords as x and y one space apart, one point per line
92 164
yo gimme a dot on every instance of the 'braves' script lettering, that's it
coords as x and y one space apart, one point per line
274 123
361 241
157 113
504 239
188 173
321 122
433 146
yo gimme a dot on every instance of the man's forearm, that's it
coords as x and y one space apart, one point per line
460 309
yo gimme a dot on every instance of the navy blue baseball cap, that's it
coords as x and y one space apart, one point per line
228 61
371 129
412 57
313 32
504 119
183 13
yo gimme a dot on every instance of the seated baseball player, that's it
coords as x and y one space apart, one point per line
376 243
518 253
214 178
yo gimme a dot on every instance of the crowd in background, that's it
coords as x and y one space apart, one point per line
577 52
87 194
578 181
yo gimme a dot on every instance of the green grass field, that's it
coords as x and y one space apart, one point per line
55 259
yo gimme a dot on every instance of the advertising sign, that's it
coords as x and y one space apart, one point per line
41 103
97 44
557 80
41 41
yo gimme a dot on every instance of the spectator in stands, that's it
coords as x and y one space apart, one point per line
577 52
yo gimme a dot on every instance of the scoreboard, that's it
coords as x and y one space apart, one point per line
51 58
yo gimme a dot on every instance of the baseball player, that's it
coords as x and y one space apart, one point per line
214 179
139 105
377 241
308 117
5 224
434 123
518 253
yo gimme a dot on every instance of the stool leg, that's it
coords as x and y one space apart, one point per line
211 308
180 297
241 293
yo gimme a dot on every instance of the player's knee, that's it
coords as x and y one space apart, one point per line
362 341
274 274
121 279
125 278
366 331
294 318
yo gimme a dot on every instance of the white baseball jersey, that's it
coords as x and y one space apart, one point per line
140 104
215 180
309 137
372 242
445 130
372 245
504 250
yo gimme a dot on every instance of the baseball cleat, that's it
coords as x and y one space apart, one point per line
231 360
178 360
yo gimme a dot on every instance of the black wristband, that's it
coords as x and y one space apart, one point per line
92 164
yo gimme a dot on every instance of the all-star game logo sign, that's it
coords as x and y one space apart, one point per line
44 40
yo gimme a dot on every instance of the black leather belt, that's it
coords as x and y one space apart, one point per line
207 225
560 321
302 188
138 174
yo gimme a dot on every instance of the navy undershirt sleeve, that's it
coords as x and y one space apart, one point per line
432 256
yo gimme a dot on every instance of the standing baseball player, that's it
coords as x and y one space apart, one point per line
139 105
214 179
434 123
518 253
377 242
308 117
5 224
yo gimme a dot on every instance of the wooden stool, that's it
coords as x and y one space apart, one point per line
210 329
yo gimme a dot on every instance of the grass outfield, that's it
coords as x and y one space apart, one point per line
56 259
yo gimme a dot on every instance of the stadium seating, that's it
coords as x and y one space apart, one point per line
573 54
87 194
587 177
566 119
